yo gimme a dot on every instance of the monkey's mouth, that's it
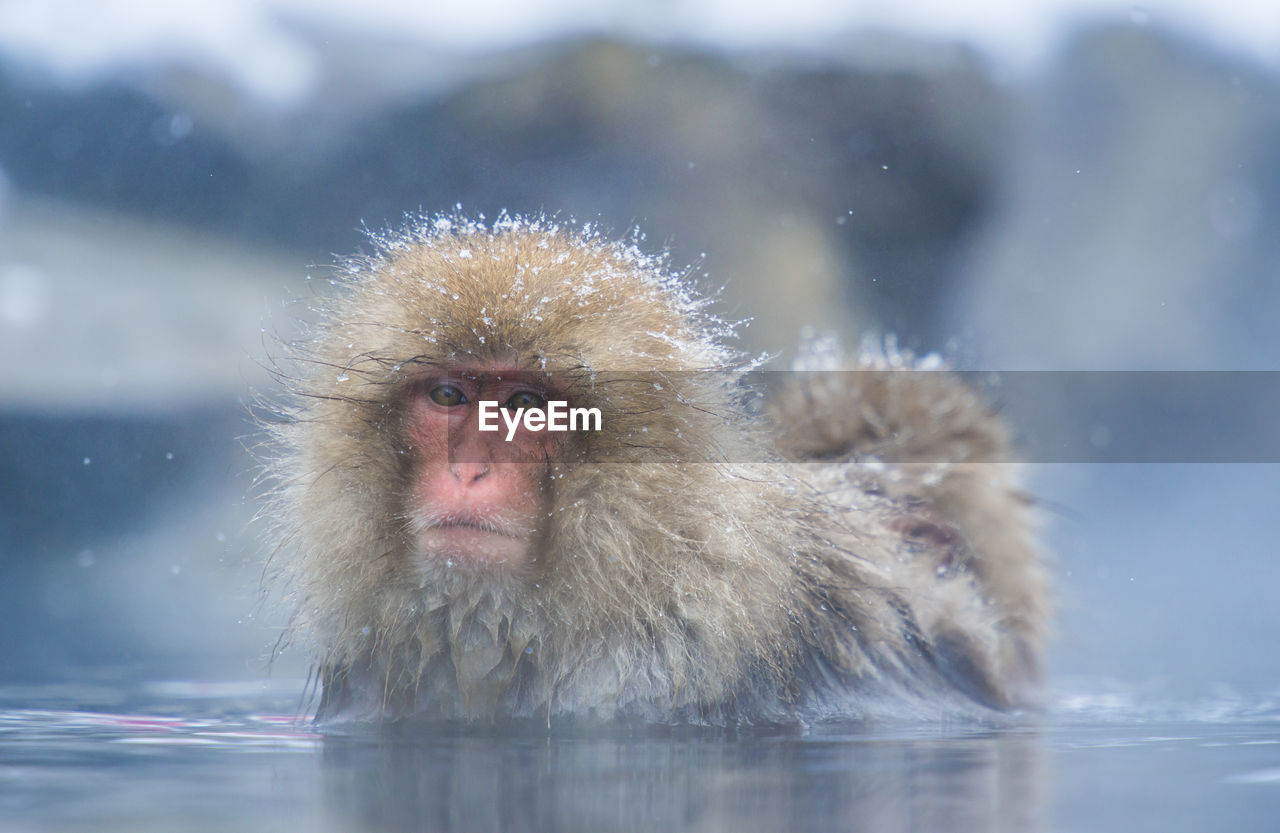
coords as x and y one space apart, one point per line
470 539
476 524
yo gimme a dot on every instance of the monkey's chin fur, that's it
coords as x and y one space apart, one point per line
470 548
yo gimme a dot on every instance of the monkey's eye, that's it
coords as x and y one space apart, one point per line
526 399
447 395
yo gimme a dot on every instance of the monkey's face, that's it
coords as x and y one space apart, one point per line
480 472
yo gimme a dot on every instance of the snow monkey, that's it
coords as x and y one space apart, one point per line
521 476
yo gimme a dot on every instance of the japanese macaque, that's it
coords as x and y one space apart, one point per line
684 554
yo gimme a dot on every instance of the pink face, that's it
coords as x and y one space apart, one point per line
479 499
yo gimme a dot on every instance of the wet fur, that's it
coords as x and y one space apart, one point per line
675 582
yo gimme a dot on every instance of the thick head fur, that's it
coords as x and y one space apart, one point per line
693 566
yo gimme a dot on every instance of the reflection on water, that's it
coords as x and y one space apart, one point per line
861 781
217 757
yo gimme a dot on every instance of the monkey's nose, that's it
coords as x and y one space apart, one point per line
469 472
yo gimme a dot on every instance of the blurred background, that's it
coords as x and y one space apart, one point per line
1033 186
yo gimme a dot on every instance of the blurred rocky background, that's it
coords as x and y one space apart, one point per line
1104 198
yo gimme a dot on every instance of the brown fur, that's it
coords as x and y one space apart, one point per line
685 575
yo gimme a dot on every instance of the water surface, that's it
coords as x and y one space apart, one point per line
233 757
